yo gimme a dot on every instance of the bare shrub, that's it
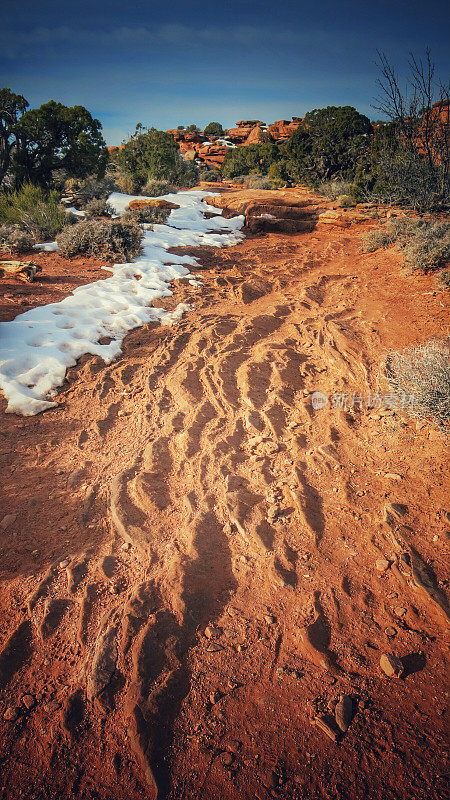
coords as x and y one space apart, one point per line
113 240
14 239
333 189
424 372
254 181
156 188
98 207
429 248
96 189
444 279
377 238
425 243
148 215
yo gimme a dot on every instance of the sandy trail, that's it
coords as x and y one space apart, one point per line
189 550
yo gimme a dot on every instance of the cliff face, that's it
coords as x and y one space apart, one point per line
210 151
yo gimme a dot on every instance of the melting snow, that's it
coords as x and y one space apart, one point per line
37 347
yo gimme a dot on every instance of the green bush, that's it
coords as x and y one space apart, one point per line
424 373
14 239
154 155
210 175
250 158
113 240
345 201
213 129
35 211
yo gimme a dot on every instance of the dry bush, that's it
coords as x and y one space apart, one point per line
98 207
429 247
254 181
345 201
14 239
96 189
425 243
334 189
156 188
147 215
424 372
113 240
444 279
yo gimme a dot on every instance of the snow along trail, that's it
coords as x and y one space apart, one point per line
37 347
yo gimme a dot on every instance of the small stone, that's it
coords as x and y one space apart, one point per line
29 701
53 705
400 611
8 520
382 564
227 759
392 666
390 632
214 647
344 712
211 632
64 563
269 619
214 697
321 722
11 714
34 552
125 547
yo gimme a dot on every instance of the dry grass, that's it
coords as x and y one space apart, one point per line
424 372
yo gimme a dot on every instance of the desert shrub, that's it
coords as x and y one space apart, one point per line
96 188
444 278
98 207
14 239
249 159
429 247
425 243
375 239
110 239
146 215
345 201
36 212
127 183
156 188
334 189
254 181
424 373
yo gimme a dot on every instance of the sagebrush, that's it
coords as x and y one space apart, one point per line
423 374
36 212
113 240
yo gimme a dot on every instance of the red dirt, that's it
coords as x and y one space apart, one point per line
222 588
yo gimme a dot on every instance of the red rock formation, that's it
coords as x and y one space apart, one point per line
283 128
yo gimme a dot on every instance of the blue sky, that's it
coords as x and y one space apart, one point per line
170 63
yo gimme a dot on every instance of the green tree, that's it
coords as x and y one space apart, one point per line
55 136
331 143
152 154
213 129
250 158
12 106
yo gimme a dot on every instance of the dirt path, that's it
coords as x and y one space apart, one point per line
191 555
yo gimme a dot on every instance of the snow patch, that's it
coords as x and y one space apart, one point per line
37 347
